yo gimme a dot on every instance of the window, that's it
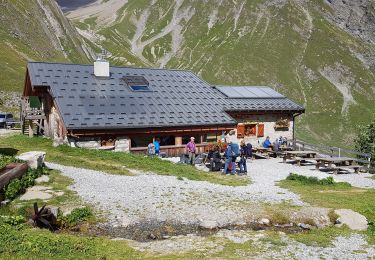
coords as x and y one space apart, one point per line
137 83
141 141
140 88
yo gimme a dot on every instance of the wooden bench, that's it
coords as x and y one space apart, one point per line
295 159
260 156
356 168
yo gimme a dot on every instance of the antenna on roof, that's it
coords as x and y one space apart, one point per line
102 56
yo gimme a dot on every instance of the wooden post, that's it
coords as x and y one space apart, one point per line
31 133
178 140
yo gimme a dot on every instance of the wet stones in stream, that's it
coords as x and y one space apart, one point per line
158 230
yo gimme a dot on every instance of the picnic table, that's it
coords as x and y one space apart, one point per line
341 163
298 156
261 152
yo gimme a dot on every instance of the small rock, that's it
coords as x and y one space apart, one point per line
4 203
152 236
305 226
166 237
264 221
338 221
59 193
208 224
41 179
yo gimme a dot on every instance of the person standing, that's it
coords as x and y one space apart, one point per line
228 158
157 146
191 149
151 149
243 154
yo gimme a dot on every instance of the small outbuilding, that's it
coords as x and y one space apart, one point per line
124 109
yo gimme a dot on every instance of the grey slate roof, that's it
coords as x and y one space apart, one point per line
177 98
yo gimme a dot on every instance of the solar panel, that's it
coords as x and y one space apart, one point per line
249 92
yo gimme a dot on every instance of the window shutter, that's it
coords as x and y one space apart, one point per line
240 131
260 130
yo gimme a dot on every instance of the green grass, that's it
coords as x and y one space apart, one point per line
336 196
42 244
115 163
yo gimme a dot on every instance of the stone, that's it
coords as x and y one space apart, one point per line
41 179
305 226
4 203
54 211
208 224
34 159
352 219
264 221
36 194
59 193
122 144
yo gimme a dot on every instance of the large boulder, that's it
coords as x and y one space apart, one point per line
352 219
34 159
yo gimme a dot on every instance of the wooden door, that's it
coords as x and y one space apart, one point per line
260 130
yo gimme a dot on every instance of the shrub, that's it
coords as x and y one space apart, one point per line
76 216
18 186
5 160
13 220
365 142
329 181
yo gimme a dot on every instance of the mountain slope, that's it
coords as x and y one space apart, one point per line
34 30
304 49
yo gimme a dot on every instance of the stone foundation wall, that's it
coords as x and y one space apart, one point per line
122 144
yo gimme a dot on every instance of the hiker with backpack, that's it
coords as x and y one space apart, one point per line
231 153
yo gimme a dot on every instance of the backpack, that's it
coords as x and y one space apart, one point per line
235 151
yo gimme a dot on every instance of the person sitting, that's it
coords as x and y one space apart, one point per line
275 146
280 140
267 142
249 151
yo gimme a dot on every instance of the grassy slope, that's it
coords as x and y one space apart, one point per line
25 35
115 163
275 48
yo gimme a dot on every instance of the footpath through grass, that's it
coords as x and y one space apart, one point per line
335 195
114 163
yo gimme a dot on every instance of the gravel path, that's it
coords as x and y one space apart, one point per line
134 198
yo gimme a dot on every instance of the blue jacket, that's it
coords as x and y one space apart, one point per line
266 143
228 152
157 146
